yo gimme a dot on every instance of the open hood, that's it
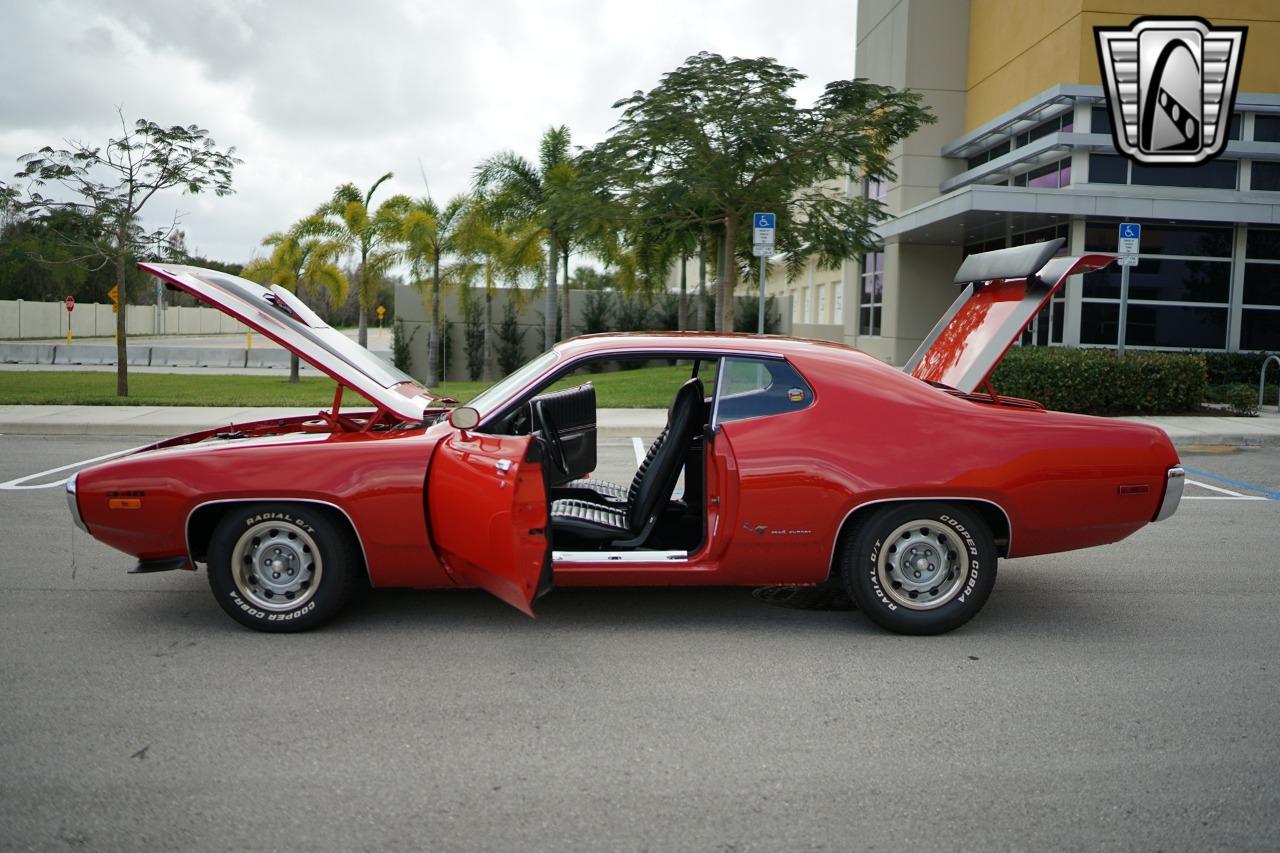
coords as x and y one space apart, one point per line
1004 290
285 319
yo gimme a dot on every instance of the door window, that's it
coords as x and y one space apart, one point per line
755 387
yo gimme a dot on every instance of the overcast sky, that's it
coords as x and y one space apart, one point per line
313 94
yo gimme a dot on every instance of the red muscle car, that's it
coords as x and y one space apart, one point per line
799 463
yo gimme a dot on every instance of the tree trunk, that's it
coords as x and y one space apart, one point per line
682 309
433 334
566 315
701 308
122 356
293 368
729 274
362 336
553 266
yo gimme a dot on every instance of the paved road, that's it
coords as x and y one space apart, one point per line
1120 698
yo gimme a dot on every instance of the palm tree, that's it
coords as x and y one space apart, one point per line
429 234
523 194
346 219
498 254
303 265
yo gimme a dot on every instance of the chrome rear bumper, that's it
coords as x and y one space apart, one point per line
1172 493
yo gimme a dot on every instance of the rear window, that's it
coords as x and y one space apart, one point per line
756 387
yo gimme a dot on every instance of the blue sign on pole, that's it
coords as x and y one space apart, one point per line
1130 231
764 220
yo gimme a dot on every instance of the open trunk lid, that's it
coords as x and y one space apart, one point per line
1004 290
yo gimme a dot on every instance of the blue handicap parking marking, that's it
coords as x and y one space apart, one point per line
764 220
1130 230
1269 494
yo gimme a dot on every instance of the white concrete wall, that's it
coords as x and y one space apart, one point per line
26 320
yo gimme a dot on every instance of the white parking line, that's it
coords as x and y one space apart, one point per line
638 446
16 485
1224 494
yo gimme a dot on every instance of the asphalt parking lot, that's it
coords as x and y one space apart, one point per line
1125 697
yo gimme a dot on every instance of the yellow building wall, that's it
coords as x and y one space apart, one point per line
1019 48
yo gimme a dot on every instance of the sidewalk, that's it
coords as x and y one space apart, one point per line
164 421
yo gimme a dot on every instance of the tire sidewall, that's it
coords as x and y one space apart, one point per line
861 553
339 562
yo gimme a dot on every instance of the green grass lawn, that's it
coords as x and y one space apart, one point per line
651 387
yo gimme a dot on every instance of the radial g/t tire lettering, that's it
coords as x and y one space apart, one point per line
919 568
282 567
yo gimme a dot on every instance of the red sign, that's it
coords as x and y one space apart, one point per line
71 303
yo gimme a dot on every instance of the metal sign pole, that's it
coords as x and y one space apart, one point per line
1124 310
760 312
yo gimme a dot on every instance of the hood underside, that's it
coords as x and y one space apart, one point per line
285 319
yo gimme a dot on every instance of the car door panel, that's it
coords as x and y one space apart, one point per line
572 411
487 503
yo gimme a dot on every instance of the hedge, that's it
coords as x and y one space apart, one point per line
1096 382
1229 368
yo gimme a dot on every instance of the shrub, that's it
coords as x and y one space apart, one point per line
1095 381
1239 398
510 348
400 346
747 317
475 338
597 310
666 313
1227 368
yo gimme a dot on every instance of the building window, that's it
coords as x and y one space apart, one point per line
821 290
872 293
801 297
838 305
1214 174
1100 120
1052 176
1178 293
1108 168
1064 123
875 189
1266 176
1260 311
1266 128
988 155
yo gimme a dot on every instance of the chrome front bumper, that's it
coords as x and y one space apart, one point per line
72 505
1172 493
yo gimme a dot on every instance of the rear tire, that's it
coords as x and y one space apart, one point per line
282 567
920 568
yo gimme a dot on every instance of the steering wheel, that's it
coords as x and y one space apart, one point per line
551 436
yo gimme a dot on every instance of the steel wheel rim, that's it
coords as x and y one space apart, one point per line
923 564
276 565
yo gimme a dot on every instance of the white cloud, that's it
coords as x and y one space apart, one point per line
313 94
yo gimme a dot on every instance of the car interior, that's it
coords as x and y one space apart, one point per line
647 514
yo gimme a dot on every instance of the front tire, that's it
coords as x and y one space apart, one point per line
920 568
281 567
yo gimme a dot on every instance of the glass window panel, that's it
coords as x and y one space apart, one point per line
1263 244
1020 180
1233 129
999 150
1171 326
752 388
1215 174
1098 322
1100 120
1164 280
1266 176
1205 242
1262 284
1064 174
1266 128
1108 168
1260 329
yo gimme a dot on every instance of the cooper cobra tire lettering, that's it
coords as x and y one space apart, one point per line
867 569
238 580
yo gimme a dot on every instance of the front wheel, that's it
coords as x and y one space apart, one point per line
920 568
281 567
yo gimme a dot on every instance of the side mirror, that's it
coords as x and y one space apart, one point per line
463 417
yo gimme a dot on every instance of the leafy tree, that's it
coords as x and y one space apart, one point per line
112 184
522 194
476 336
719 138
369 235
303 265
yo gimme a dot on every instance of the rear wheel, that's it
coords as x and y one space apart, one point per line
920 568
281 567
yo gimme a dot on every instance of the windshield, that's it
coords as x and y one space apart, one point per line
488 399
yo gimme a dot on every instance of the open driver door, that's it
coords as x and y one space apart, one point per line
487 504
